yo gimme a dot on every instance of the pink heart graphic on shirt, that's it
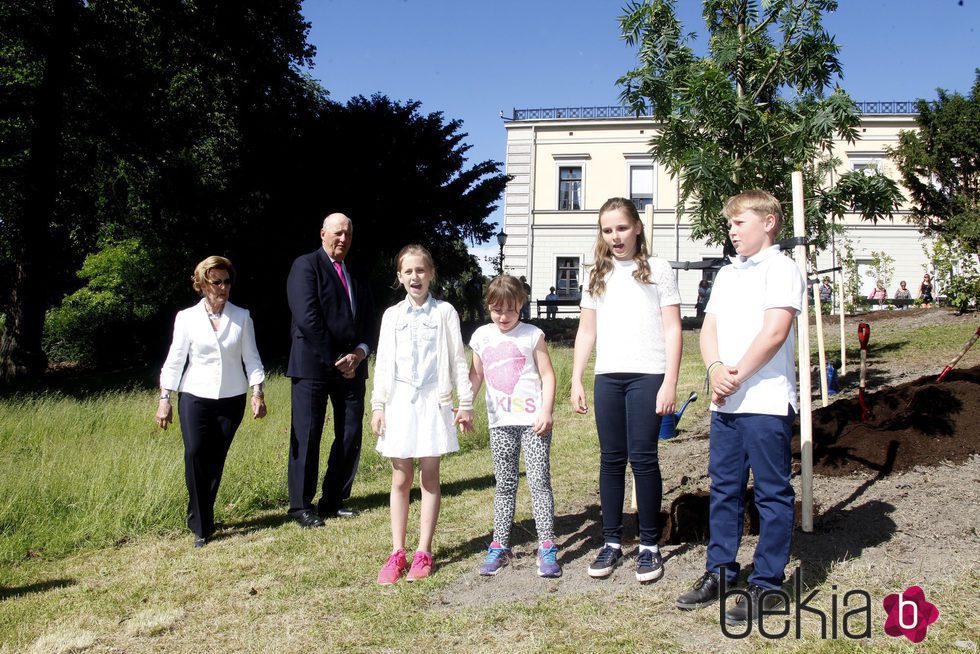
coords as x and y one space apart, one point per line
502 365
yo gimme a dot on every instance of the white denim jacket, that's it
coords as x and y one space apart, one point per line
451 362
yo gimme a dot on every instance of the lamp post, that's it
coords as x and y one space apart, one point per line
502 240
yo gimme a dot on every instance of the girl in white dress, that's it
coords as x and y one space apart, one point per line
420 358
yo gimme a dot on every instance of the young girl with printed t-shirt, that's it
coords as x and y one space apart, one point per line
513 359
631 315
420 358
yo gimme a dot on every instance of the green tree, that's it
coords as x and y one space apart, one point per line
940 166
759 106
130 118
881 268
956 269
403 177
190 128
852 288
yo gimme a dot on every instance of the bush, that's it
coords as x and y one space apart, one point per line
102 322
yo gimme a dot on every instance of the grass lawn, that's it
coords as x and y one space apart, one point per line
94 555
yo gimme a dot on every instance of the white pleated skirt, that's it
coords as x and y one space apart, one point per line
415 424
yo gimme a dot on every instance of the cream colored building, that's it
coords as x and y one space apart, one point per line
565 163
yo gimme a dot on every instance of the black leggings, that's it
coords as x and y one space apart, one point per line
208 427
629 429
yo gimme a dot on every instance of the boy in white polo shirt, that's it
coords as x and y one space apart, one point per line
746 346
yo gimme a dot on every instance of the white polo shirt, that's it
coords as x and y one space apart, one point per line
740 296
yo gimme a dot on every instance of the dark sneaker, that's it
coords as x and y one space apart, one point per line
745 610
702 594
649 566
605 561
548 560
497 558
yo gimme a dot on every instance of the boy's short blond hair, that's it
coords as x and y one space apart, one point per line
761 202
504 291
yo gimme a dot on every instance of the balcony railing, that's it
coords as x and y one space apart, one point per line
556 113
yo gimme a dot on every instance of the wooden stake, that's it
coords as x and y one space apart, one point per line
633 498
843 340
803 327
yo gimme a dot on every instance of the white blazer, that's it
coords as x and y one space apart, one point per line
214 359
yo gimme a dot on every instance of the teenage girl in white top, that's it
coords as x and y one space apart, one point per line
631 314
420 358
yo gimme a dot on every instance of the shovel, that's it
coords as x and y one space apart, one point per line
864 334
952 363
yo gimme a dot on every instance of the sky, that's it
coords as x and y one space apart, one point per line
471 60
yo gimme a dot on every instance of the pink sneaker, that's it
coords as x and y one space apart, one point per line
421 566
393 568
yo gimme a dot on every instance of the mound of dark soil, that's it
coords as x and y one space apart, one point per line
921 423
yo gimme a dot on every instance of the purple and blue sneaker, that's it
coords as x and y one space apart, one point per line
497 558
548 560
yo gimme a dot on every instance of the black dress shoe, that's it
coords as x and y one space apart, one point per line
748 609
702 594
200 542
343 512
309 519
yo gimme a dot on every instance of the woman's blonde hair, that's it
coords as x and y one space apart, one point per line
604 256
504 291
201 270
418 251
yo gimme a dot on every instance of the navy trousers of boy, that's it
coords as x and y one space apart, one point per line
208 427
629 430
738 442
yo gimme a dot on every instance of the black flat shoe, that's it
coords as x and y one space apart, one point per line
702 594
309 520
200 542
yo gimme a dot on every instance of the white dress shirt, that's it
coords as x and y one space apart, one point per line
214 359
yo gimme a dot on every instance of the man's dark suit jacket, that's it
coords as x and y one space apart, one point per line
323 326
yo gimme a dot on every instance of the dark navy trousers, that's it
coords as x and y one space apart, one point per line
740 442
207 427
309 413
629 430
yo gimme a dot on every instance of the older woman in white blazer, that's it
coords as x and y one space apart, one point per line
212 363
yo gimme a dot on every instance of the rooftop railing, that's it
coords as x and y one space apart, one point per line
555 113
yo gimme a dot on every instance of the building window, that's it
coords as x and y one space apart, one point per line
641 186
569 188
566 282
866 165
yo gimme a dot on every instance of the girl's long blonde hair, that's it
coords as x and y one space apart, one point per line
604 257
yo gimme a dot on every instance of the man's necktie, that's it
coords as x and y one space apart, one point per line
339 267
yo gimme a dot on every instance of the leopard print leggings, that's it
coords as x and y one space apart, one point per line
505 445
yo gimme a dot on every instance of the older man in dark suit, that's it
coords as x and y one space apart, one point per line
333 322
